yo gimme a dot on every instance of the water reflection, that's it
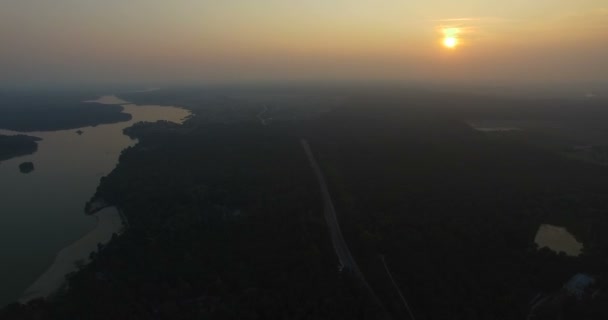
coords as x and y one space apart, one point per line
43 212
558 239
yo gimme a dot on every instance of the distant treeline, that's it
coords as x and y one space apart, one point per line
35 111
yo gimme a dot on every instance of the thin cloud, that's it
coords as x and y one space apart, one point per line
455 19
474 19
470 28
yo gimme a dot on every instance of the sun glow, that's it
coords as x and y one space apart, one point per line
450 42
450 37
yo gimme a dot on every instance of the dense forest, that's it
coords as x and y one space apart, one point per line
224 222
225 218
17 145
454 213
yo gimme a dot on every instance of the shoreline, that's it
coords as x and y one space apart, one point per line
109 222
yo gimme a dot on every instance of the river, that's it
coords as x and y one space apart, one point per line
42 220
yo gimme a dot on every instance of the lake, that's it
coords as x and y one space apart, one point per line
42 213
558 239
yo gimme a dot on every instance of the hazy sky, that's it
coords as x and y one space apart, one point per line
239 40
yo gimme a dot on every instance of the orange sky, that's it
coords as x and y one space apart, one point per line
232 40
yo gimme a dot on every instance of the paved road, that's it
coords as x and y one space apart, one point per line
405 304
347 262
344 256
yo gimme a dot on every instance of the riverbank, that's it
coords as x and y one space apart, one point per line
109 222
44 218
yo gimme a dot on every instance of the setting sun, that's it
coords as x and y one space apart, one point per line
450 42
450 37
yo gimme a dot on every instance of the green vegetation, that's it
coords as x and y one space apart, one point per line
455 213
225 222
17 145
226 218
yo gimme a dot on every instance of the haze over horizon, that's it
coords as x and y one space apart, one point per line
181 41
